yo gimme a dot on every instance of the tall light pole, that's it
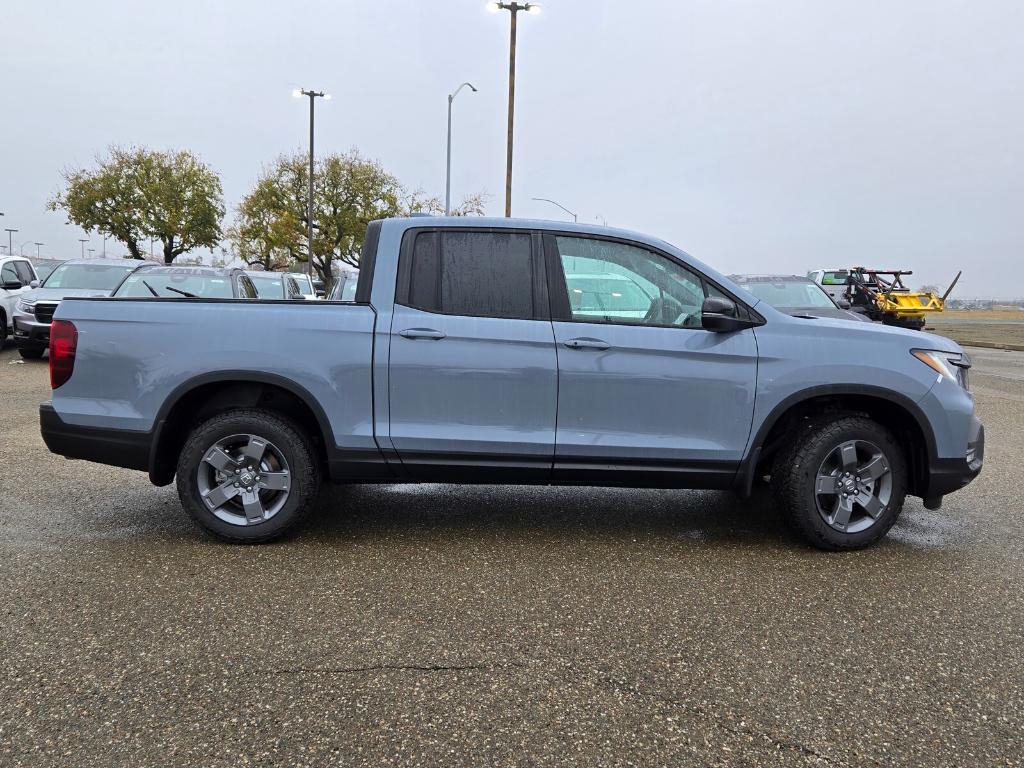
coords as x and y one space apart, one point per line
513 8
105 246
547 200
448 164
313 95
38 245
10 246
83 241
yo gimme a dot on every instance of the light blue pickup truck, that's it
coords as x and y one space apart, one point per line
513 351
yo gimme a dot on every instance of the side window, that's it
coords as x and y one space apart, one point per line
246 289
476 274
609 282
291 287
24 270
8 274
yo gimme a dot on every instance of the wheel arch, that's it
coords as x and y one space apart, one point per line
207 394
892 409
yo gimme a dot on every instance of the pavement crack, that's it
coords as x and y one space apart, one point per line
396 668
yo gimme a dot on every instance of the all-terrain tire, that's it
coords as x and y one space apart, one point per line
286 438
795 472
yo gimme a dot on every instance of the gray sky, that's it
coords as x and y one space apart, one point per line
759 136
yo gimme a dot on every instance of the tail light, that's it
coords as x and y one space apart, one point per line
63 346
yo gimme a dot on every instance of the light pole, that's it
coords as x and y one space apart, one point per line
313 95
448 164
513 8
105 246
83 241
38 245
546 200
91 252
10 246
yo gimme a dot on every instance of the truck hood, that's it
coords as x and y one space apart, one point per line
837 329
56 294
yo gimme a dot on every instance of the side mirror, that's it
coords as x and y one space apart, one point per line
11 285
843 303
33 284
719 314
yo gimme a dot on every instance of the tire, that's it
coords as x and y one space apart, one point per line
213 464
873 474
3 330
31 353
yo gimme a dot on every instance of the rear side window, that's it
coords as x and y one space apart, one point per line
246 290
25 273
8 274
475 274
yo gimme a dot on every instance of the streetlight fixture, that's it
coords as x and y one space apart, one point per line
313 95
83 241
10 244
38 246
547 200
513 8
448 165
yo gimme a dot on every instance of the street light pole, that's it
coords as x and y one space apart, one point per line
83 241
105 246
448 164
513 8
10 246
37 248
547 200
313 95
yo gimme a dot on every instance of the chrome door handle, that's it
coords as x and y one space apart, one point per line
586 343
421 333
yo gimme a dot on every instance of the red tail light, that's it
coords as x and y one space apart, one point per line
63 345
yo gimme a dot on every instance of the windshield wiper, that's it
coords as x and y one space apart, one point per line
151 289
183 293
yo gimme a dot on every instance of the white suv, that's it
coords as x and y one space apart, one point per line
17 276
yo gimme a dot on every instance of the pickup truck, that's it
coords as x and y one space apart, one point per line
468 356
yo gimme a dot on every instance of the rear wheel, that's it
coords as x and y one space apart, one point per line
842 483
247 476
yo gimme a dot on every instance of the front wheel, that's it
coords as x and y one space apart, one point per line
247 476
842 483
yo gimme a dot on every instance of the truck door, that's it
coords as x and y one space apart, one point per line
645 394
473 372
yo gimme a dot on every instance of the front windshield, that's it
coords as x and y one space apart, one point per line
790 294
268 286
171 285
100 277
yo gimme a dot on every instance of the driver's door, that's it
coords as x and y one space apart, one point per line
642 388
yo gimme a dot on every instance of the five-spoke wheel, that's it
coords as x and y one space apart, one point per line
244 479
853 486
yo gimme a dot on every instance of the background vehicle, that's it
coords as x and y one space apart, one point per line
187 282
463 360
796 296
305 285
345 286
44 267
16 278
881 295
275 285
34 310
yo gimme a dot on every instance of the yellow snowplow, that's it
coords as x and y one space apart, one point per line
881 295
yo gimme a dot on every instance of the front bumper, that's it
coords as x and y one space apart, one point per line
118 447
949 475
30 333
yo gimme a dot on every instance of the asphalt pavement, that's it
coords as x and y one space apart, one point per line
480 626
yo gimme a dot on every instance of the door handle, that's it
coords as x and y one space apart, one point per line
586 343
422 333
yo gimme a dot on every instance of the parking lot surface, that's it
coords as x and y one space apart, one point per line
475 626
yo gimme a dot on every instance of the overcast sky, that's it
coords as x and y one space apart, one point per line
759 136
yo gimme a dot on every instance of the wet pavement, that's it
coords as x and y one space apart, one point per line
472 626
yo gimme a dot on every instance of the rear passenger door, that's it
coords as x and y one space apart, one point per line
473 371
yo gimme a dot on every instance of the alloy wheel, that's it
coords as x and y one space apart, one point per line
853 486
244 479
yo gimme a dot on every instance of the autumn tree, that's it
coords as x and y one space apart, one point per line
136 194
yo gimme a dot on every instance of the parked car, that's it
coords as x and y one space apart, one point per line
345 286
275 285
16 278
305 285
44 267
187 282
797 296
462 360
34 310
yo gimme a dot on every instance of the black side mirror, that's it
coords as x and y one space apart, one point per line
718 313
11 285
843 303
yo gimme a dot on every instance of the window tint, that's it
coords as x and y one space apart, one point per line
8 274
24 270
478 274
291 287
610 282
246 290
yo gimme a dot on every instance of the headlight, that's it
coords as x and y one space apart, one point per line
949 365
25 306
